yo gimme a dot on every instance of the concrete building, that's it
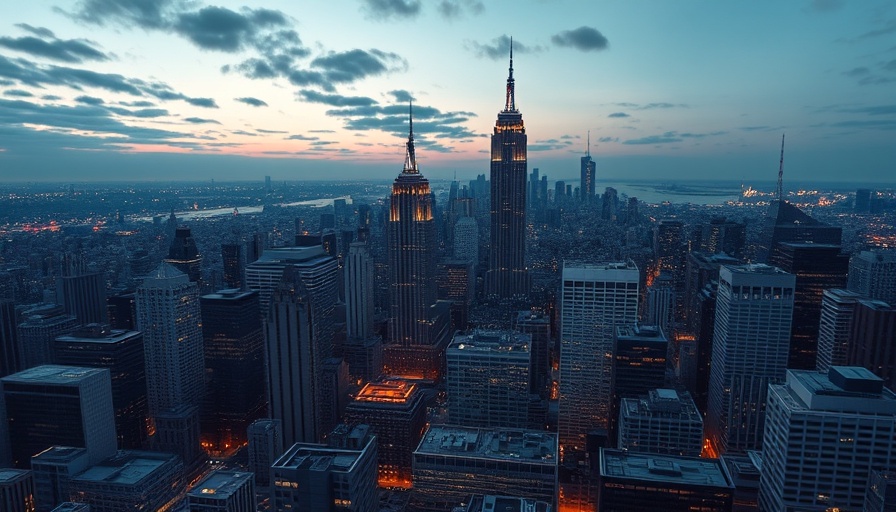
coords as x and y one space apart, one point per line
838 306
639 359
53 468
750 350
122 352
16 490
639 481
59 405
873 274
169 315
538 327
490 503
40 326
595 298
223 491
396 413
265 446
130 480
825 433
872 339
340 477
488 379
453 462
662 422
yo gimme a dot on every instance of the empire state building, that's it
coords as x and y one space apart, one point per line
417 327
507 277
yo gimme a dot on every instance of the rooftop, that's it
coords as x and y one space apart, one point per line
754 268
845 389
490 503
501 444
9 475
668 469
69 506
220 484
492 341
229 294
105 336
641 332
54 374
389 391
59 454
661 402
128 467
317 457
291 254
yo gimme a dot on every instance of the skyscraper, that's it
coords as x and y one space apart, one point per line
84 296
184 255
411 247
359 292
595 298
838 307
873 274
234 263
59 405
507 276
10 351
234 368
588 175
168 314
749 351
295 361
872 339
824 435
123 354
265 446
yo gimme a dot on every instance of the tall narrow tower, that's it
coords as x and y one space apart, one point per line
588 175
507 277
412 241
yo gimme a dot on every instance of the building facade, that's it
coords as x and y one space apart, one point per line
750 350
595 298
507 276
663 421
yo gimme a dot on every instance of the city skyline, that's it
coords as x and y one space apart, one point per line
163 89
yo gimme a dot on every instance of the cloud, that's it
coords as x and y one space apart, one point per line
18 93
322 131
199 120
890 66
667 138
876 80
386 9
343 67
336 100
888 28
651 106
754 128
429 122
856 72
875 110
71 50
608 139
89 100
583 38
499 48
454 9
301 137
147 14
402 96
549 144
254 102
221 29
140 103
262 130
201 102
38 31
877 124
618 114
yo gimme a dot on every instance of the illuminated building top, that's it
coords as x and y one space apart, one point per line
500 444
221 484
390 391
668 469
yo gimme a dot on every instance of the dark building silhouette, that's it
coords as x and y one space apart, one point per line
84 296
234 263
122 309
639 360
10 351
863 200
507 276
98 346
41 325
872 342
817 267
724 236
184 255
538 326
233 344
609 204
785 222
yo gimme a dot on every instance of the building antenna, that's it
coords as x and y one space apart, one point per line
780 191
589 144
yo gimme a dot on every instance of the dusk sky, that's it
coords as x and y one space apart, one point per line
195 90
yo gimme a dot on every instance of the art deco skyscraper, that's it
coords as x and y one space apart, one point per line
507 275
411 247
184 255
168 314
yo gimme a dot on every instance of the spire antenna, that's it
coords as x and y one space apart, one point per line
410 161
510 102
780 191
589 144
